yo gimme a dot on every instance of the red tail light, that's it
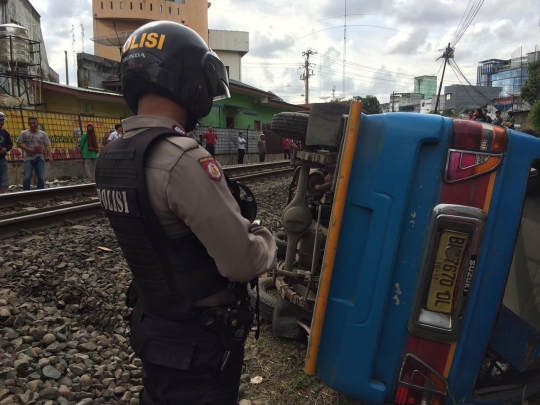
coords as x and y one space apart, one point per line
476 148
419 383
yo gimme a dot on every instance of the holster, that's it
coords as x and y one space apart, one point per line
232 325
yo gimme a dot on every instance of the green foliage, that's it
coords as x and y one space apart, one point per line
449 113
534 116
369 103
530 91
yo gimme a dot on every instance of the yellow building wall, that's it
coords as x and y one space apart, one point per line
130 15
67 103
64 118
63 130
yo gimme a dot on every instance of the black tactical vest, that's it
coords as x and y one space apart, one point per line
169 274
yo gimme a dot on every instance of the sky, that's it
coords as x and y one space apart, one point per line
388 42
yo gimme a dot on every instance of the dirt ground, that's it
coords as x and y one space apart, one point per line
280 363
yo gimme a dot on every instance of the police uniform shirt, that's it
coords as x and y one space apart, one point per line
188 193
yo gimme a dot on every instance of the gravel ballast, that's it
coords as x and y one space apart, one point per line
64 337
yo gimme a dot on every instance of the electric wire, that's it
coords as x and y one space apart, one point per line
453 62
473 11
341 26
464 87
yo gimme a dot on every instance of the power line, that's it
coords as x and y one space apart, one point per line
474 88
468 18
341 26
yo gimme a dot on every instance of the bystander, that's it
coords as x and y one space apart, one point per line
34 143
5 146
210 138
241 148
261 146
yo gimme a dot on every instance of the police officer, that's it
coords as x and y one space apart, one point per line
179 227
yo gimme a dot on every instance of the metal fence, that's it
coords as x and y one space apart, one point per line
228 140
63 130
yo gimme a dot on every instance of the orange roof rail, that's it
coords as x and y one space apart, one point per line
345 168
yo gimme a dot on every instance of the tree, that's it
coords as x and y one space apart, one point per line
369 103
449 113
534 116
530 91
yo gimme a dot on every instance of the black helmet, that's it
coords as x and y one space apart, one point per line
172 60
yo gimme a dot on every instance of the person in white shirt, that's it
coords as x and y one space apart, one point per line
118 131
241 148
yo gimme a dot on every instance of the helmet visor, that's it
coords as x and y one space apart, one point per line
223 91
216 76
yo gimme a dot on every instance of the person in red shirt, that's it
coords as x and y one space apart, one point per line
210 138
286 148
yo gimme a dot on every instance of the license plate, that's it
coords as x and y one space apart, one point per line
445 274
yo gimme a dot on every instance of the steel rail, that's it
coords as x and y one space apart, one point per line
53 216
8 200
40 218
28 197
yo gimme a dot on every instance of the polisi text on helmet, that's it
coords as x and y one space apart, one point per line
149 41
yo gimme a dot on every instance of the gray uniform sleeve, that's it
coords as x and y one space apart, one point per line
208 208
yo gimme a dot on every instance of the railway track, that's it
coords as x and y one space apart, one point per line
38 209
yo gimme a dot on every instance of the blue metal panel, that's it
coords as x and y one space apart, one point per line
493 263
395 184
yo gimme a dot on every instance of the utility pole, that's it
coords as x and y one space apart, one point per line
447 54
307 72
393 100
67 74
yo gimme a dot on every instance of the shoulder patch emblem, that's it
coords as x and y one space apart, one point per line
178 129
211 168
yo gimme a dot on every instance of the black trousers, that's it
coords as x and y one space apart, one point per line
261 157
211 149
241 153
181 362
286 153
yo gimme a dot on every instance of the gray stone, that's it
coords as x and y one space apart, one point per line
49 393
51 372
86 380
87 347
49 338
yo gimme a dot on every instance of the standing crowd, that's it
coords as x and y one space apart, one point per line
36 147
482 115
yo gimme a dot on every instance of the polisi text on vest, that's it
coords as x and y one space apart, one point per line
113 200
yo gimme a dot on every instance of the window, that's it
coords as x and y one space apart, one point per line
111 5
178 10
257 125
131 5
121 5
170 10
140 5
150 7
102 5
161 9
449 96
229 122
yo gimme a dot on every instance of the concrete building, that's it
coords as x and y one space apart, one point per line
21 12
458 97
230 46
115 20
509 74
426 85
403 102
95 72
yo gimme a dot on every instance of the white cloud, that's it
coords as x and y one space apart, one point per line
379 60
